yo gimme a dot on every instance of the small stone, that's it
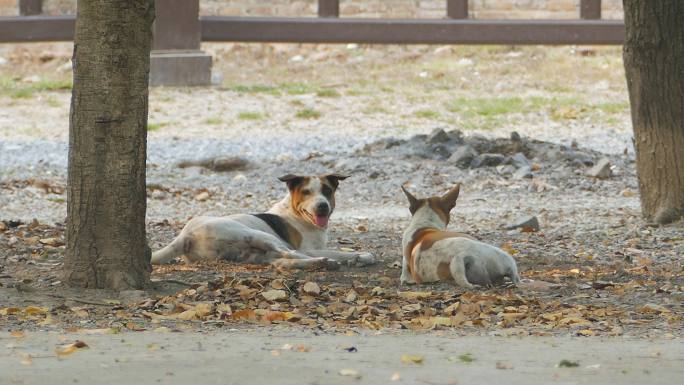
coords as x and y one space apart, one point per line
601 170
528 224
628 193
505 169
456 136
229 164
351 296
520 160
463 156
523 173
515 137
311 288
158 194
3 226
274 295
441 151
203 196
438 136
374 175
487 160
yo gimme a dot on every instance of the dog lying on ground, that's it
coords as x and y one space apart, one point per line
292 234
431 253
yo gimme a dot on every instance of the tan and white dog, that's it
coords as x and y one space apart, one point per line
292 234
431 253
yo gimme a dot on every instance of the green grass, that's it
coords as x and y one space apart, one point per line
308 113
613 108
426 114
155 126
255 89
213 121
467 358
21 90
279 89
250 115
327 93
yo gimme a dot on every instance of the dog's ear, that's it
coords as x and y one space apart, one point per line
292 180
335 178
414 203
448 200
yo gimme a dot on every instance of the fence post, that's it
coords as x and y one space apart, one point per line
176 58
328 8
457 9
590 9
30 7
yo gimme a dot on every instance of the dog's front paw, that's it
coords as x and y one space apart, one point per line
365 259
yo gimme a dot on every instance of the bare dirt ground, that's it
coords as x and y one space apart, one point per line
595 268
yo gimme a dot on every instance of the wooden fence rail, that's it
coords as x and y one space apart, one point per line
179 27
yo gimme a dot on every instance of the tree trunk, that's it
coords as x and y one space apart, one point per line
106 195
654 64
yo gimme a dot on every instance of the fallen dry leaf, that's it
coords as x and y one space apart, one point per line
311 288
411 359
64 350
274 295
503 365
18 334
350 373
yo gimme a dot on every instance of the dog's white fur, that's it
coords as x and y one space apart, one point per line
449 255
248 238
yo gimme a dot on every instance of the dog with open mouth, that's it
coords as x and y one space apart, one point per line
292 234
431 253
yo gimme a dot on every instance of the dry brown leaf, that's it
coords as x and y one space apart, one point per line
274 295
244 314
9 310
18 334
64 350
350 373
311 288
503 365
411 359
35 310
414 295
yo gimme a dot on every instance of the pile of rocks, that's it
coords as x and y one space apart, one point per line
514 157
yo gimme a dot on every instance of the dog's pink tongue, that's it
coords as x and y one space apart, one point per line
321 220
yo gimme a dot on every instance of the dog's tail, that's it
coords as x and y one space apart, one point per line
168 253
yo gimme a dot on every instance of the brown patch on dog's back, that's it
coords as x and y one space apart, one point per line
423 239
431 238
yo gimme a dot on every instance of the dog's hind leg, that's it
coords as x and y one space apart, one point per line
169 252
458 272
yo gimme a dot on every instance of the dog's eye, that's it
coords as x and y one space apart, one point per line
306 192
327 191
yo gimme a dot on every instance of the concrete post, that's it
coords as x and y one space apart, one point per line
176 58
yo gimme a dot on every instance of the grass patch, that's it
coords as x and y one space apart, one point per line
155 126
426 114
308 113
20 90
613 108
52 102
375 109
297 88
467 358
253 115
255 89
327 93
213 121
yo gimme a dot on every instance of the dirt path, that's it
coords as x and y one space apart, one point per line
292 357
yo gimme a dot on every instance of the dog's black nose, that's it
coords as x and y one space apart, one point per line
322 209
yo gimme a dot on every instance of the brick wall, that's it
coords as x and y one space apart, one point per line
480 9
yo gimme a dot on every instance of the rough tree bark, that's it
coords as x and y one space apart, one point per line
106 196
654 64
